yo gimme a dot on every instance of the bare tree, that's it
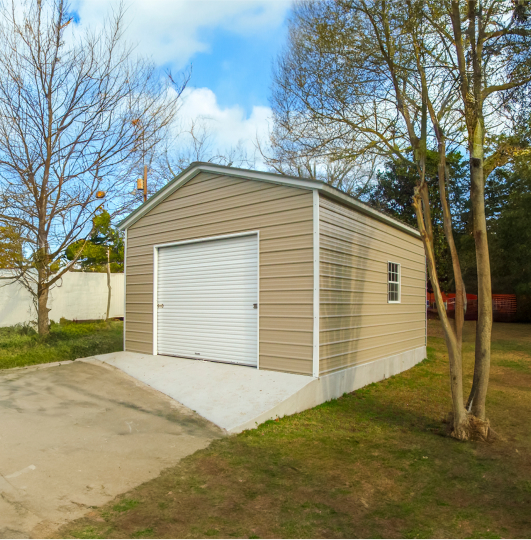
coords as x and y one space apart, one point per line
352 177
491 44
195 142
381 79
75 107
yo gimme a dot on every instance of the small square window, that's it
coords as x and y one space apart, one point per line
393 283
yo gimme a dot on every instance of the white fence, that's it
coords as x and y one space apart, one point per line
76 296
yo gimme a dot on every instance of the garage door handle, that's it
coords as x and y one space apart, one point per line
160 305
255 306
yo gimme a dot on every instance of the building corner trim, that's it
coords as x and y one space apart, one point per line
155 298
316 283
125 287
425 301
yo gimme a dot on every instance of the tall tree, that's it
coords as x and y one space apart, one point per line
78 111
394 189
384 78
491 55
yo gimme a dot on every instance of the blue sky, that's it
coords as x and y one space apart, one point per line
231 45
238 68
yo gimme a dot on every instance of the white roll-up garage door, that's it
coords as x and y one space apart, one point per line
207 300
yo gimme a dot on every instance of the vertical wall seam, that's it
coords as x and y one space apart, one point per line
316 283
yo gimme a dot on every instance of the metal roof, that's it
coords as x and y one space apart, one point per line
304 183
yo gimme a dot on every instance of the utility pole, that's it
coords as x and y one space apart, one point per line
145 183
141 184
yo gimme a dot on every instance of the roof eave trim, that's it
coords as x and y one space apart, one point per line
303 183
158 197
196 168
367 210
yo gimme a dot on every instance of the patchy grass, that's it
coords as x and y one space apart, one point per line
124 505
376 464
22 346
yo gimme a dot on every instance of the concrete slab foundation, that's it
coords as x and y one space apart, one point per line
236 398
233 397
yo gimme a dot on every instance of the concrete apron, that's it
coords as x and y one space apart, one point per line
76 435
236 398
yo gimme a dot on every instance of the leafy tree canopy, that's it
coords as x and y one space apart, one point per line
10 247
509 231
103 238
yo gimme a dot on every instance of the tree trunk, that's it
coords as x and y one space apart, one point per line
460 293
108 283
460 427
478 394
43 323
43 289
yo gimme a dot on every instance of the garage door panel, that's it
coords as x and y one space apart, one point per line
219 307
206 293
209 348
201 324
211 351
235 289
209 322
222 334
212 296
237 261
215 246
207 277
214 253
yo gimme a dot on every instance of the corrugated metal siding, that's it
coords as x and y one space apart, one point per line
357 325
212 205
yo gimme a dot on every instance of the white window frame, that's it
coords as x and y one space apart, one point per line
399 282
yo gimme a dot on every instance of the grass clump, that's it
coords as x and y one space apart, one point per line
21 345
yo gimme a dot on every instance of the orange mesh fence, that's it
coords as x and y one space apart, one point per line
503 306
504 303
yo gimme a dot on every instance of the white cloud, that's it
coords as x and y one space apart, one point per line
228 127
172 31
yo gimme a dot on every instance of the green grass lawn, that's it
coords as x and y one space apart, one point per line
375 463
22 346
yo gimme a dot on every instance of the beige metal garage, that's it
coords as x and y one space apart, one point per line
280 273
